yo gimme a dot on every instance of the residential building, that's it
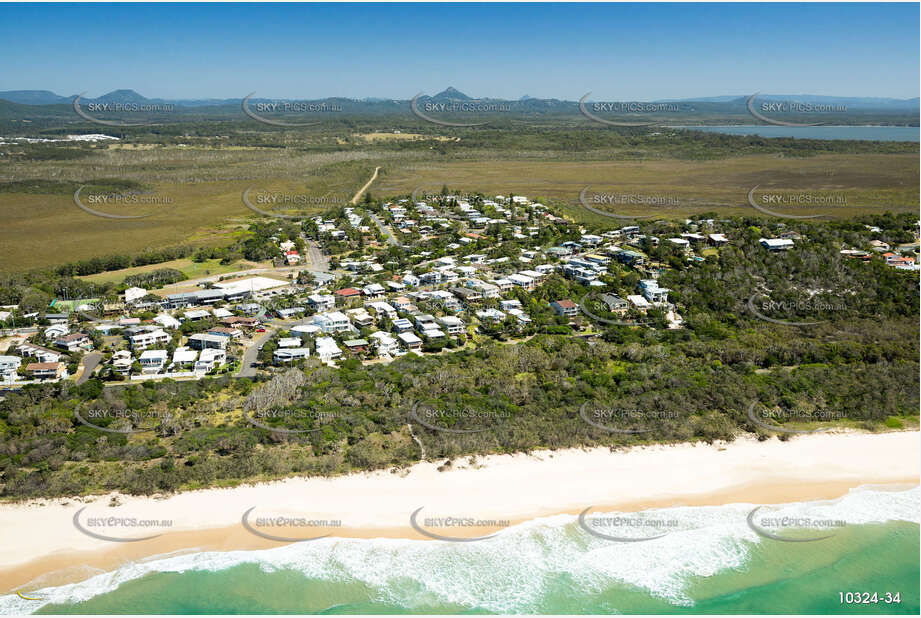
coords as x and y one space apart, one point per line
74 342
639 302
9 365
141 340
184 357
451 324
153 361
652 292
206 341
776 244
121 362
332 322
565 307
47 371
209 360
42 355
385 343
327 350
410 341
289 355
615 303
383 309
321 302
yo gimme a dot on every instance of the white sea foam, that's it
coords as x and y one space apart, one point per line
511 572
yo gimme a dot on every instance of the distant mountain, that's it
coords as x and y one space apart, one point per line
453 94
46 97
122 96
854 102
33 97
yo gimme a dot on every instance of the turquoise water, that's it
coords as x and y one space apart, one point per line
882 134
709 562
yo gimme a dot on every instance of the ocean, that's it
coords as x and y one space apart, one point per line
708 560
862 133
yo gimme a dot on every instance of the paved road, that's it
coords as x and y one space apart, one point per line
318 260
89 365
385 229
249 356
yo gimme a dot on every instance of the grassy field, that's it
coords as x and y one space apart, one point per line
205 186
191 269
205 205
870 183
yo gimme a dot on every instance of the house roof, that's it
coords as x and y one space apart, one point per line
42 366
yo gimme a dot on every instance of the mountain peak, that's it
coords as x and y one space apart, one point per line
122 96
451 93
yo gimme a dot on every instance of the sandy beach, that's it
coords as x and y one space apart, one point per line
43 543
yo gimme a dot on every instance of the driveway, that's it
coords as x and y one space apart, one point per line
249 356
89 365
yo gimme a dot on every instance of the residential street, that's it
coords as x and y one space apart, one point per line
90 361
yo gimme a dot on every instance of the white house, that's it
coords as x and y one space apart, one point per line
321 302
776 244
386 344
209 360
184 357
289 355
153 361
451 324
8 368
74 342
383 309
121 362
133 295
207 341
652 292
167 321
145 339
410 341
327 349
332 322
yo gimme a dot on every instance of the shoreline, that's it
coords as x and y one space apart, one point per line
513 488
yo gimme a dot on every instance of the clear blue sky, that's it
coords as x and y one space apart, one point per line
617 51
